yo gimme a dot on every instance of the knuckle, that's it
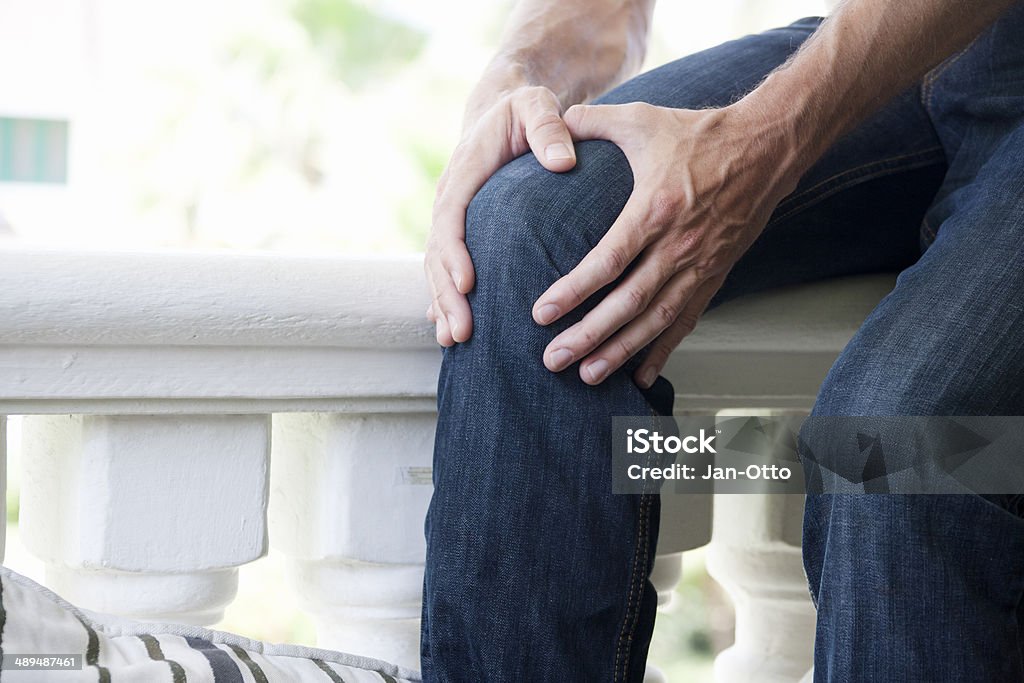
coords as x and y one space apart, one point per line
668 265
664 206
665 313
704 268
577 115
641 113
614 260
589 339
576 295
690 242
687 323
636 299
548 122
623 349
541 95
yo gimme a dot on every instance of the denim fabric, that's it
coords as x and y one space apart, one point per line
537 572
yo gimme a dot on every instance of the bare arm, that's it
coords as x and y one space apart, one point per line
706 182
578 49
553 54
862 56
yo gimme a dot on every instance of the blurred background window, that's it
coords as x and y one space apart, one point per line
33 150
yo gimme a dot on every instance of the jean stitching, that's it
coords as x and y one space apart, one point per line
881 172
928 94
641 584
629 622
849 172
629 605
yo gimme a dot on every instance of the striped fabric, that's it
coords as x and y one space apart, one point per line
35 621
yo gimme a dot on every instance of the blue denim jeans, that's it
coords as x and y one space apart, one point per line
537 572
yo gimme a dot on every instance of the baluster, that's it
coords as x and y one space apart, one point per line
755 555
350 492
146 516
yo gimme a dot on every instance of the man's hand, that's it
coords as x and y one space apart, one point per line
521 120
705 183
553 54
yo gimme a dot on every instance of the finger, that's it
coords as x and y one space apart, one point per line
627 301
546 132
457 263
473 162
668 340
673 306
603 264
442 332
604 121
450 268
450 305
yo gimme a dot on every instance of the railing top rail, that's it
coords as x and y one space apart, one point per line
170 331
211 299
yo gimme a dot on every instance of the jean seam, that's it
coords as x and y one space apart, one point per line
631 616
928 84
924 158
635 589
849 171
642 579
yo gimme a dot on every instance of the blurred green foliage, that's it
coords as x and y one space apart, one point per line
359 44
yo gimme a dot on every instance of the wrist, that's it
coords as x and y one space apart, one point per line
501 77
781 133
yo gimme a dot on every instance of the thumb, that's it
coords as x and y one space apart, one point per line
600 121
547 135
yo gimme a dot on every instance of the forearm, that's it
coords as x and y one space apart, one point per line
866 53
576 48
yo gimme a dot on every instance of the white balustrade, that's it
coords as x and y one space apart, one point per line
146 516
350 494
157 385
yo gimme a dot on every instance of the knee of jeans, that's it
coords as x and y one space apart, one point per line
891 372
528 226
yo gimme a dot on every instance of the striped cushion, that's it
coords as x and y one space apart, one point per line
35 621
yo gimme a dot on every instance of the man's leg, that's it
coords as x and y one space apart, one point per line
918 587
535 571
928 588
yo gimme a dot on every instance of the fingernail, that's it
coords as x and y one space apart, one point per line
560 358
453 324
547 313
557 152
597 370
647 377
457 278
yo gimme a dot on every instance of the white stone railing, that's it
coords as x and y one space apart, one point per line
182 409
